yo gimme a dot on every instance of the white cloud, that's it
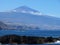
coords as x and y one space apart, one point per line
30 12
36 13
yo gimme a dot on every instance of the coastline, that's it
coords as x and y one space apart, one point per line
11 39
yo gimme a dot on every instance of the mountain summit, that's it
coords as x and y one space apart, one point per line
26 9
26 16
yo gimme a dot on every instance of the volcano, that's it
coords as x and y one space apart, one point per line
27 16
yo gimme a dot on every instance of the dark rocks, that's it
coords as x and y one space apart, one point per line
10 39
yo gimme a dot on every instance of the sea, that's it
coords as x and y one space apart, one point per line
38 33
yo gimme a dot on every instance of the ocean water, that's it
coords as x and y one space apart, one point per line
39 33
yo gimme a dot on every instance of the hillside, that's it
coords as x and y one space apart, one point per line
30 17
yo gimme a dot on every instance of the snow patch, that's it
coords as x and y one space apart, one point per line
35 13
30 12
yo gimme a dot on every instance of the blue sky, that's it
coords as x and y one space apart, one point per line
49 7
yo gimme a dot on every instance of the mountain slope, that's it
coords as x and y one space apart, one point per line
25 8
18 17
2 26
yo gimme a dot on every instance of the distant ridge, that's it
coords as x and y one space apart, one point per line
26 16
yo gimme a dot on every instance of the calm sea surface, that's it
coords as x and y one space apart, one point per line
38 33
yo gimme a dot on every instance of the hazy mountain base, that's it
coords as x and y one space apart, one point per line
6 26
17 27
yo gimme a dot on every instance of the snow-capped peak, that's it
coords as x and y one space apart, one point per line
25 9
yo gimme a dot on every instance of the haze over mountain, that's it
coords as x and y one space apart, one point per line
27 16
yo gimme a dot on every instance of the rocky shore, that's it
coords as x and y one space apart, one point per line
10 39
